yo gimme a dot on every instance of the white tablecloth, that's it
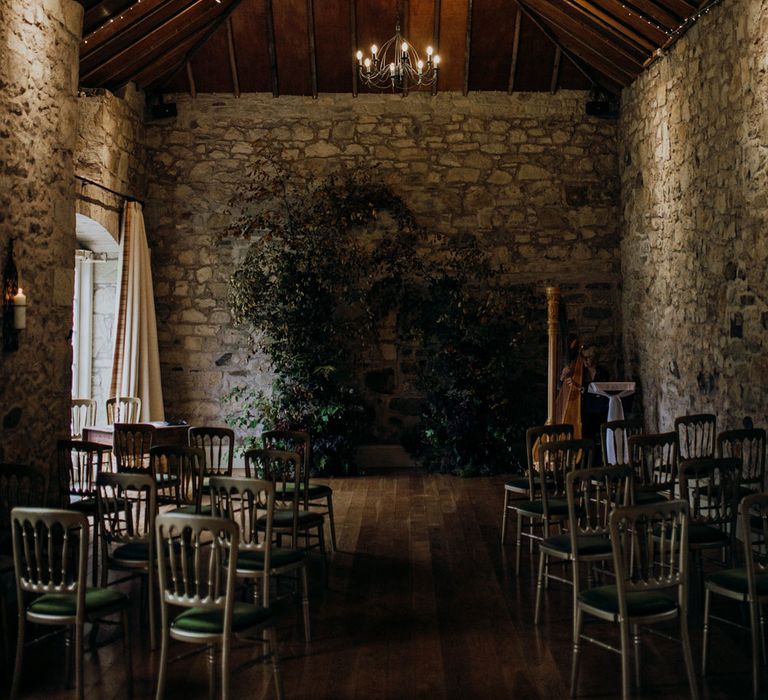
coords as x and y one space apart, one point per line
615 392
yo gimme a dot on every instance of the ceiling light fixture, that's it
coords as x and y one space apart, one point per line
397 66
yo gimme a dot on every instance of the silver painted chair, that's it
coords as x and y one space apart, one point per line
197 563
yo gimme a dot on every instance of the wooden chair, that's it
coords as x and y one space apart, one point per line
592 494
313 494
123 409
748 445
191 578
650 555
710 486
617 434
79 463
185 466
290 519
249 502
219 447
748 584
132 449
127 512
50 552
83 415
696 436
653 458
524 487
555 460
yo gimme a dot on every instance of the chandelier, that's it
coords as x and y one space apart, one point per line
396 65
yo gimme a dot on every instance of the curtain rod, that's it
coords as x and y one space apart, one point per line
122 195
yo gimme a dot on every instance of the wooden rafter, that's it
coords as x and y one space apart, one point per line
272 49
436 40
467 47
555 71
353 47
515 50
311 48
611 24
191 80
232 58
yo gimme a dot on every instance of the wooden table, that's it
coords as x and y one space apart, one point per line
176 435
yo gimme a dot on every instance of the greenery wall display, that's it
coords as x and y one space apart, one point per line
330 259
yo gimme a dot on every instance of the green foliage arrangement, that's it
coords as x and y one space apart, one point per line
329 261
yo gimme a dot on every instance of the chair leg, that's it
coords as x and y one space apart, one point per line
151 607
272 639
305 602
687 656
705 633
225 649
79 689
518 542
504 517
95 555
332 523
625 671
212 672
321 542
126 624
163 663
68 658
19 651
636 646
756 630
539 584
577 623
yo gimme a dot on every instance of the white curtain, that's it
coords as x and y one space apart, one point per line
82 328
136 363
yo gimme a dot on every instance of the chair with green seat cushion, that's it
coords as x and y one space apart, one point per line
746 585
291 518
218 444
650 559
50 551
593 494
251 504
78 464
186 465
524 487
127 510
555 459
653 459
199 576
748 445
314 494
132 448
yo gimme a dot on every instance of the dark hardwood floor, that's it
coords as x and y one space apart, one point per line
422 602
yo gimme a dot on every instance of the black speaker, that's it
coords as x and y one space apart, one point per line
164 110
604 108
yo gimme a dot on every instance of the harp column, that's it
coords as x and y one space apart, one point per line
553 327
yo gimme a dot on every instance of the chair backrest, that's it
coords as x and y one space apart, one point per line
617 434
653 458
747 444
219 447
593 494
650 549
83 415
556 460
534 437
192 552
127 508
123 409
290 441
696 435
246 502
754 526
187 464
285 471
50 552
131 445
78 465
20 486
711 487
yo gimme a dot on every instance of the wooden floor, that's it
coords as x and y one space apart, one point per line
422 602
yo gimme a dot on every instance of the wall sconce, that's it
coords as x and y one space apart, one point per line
14 304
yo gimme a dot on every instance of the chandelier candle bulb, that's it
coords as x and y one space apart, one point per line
360 57
20 310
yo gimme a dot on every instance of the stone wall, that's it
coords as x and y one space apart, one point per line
530 174
38 117
694 179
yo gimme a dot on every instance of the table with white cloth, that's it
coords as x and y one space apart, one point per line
615 392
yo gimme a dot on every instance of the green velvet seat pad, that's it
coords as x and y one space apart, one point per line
86 506
707 534
557 506
314 491
189 509
97 600
643 498
132 551
253 560
519 483
586 545
639 603
736 580
284 519
211 620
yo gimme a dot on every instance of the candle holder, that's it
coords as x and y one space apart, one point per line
10 290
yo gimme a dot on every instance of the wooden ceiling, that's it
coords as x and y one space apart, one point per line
306 47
